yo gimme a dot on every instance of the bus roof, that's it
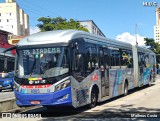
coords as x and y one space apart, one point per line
63 36
56 36
143 49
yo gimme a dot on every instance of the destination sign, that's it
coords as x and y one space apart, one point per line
41 51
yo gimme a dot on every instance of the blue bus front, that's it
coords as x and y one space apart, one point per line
42 77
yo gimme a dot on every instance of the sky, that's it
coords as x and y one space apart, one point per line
115 18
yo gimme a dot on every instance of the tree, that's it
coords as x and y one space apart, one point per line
149 42
154 46
58 23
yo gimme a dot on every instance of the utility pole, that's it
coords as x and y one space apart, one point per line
136 34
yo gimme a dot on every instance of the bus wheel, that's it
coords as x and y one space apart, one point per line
0 90
125 89
94 98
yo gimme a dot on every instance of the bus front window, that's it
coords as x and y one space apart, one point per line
42 62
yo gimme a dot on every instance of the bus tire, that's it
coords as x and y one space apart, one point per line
0 90
94 98
125 89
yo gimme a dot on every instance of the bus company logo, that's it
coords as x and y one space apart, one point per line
150 4
94 77
6 115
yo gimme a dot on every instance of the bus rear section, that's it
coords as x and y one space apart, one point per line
146 66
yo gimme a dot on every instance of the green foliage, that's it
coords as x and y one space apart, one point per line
154 46
149 42
58 23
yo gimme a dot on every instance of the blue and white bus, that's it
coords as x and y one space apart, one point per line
6 61
75 68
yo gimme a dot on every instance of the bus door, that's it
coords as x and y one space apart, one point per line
104 70
141 67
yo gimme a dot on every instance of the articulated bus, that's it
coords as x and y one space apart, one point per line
75 68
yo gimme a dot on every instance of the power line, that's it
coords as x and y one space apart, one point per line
29 9
33 8
42 8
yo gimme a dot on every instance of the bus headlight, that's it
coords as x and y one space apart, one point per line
63 85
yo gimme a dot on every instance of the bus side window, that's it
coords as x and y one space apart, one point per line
114 58
126 58
79 63
117 58
129 59
146 60
141 61
91 60
78 67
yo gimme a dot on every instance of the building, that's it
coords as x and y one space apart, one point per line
3 37
4 41
6 62
92 27
157 26
13 40
13 19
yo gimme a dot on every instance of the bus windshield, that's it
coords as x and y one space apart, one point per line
42 62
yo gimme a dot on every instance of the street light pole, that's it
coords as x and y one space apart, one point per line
136 34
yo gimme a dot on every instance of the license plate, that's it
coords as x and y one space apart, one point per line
35 91
35 102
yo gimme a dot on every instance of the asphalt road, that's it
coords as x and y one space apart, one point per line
141 104
6 94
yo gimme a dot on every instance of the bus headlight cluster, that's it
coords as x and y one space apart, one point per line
63 85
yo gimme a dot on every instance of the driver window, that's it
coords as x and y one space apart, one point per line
78 67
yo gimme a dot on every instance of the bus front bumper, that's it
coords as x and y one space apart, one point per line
59 98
